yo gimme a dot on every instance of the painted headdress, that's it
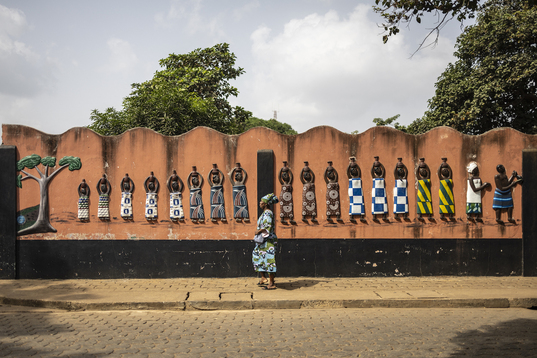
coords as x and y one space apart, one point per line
471 167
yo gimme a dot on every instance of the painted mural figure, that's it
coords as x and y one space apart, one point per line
175 186
216 181
309 204
333 207
286 196
356 195
424 204
104 188
379 200
83 201
503 197
473 192
400 190
195 182
151 186
127 187
238 176
445 192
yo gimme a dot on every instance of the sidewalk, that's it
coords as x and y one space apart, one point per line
243 293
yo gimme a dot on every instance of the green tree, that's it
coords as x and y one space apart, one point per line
272 123
493 83
403 12
390 121
109 122
397 13
191 90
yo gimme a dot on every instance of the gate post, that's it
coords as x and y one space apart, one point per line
265 175
8 211
529 213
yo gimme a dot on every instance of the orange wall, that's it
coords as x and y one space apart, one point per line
140 151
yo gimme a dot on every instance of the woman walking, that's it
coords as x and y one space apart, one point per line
264 254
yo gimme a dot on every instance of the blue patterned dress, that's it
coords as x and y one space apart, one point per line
264 255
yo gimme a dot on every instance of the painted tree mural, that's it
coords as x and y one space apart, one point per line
42 223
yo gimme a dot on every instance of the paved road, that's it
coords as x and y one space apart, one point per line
272 333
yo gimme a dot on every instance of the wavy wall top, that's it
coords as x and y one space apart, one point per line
141 151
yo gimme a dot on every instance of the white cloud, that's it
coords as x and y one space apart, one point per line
12 25
325 69
23 72
122 56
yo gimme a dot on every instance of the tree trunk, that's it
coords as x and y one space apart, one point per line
42 224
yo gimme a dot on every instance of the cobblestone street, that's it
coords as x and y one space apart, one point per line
270 333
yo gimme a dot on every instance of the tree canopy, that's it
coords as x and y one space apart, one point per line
390 121
191 90
493 83
397 13
272 123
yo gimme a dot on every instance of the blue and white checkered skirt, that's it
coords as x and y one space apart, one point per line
379 202
356 197
400 197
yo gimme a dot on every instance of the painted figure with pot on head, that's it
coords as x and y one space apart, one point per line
424 205
333 207
445 191
238 176
83 201
216 182
473 192
195 182
127 187
379 200
286 196
356 195
151 185
400 191
175 186
309 203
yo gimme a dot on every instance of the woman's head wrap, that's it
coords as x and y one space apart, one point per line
471 167
270 199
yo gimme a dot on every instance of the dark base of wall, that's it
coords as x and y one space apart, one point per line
67 259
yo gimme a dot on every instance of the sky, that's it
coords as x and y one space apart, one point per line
314 62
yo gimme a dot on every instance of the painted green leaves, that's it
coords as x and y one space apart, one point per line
73 162
49 161
33 160
30 162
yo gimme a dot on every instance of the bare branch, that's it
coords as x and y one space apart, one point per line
436 29
39 171
57 171
28 176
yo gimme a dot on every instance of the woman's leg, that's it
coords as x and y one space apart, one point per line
271 281
263 279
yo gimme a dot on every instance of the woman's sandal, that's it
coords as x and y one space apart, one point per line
270 288
261 283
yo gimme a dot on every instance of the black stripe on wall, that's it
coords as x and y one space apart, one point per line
67 259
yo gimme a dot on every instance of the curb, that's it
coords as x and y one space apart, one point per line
273 304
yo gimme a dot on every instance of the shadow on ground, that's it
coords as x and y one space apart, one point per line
516 338
296 284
